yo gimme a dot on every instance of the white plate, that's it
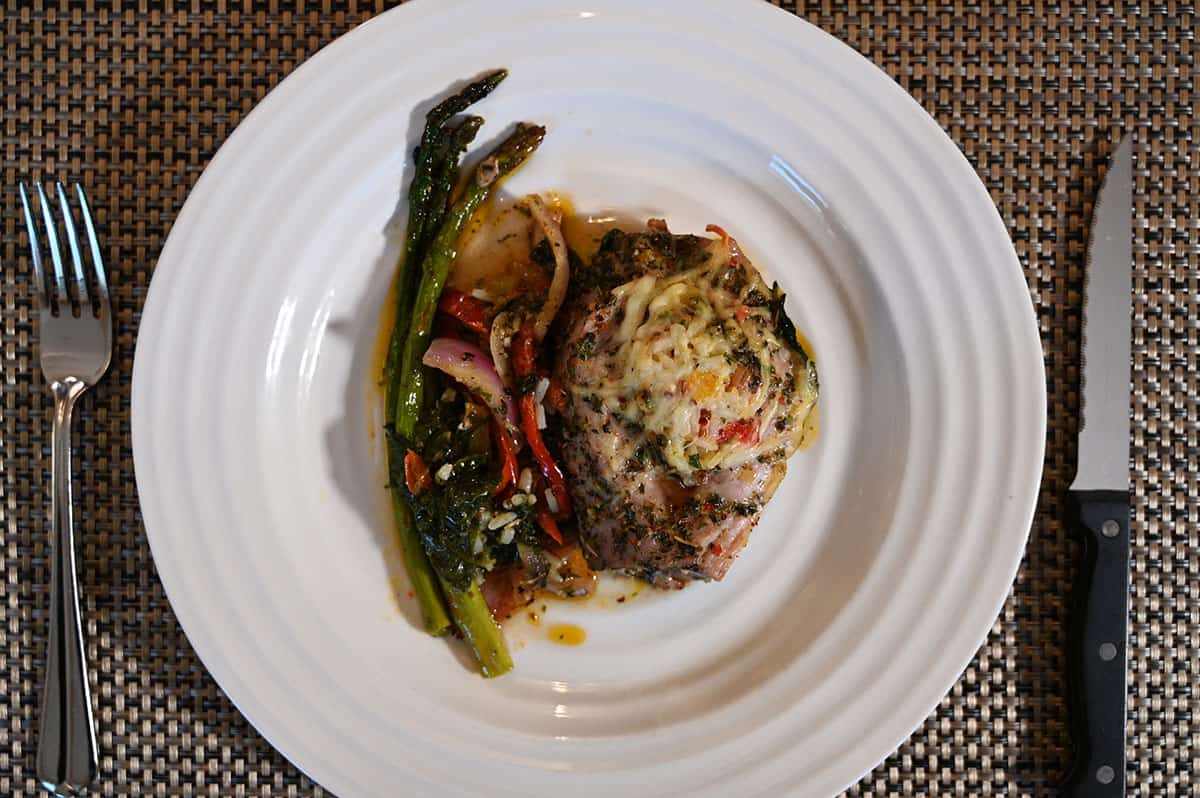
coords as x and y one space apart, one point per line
876 572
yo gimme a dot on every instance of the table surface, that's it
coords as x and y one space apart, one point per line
133 104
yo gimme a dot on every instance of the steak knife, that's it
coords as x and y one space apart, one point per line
1099 499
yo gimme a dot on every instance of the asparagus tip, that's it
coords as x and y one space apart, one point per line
511 153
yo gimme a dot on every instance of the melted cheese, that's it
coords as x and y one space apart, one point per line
700 373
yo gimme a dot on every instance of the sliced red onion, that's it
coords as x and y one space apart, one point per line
504 327
562 269
470 366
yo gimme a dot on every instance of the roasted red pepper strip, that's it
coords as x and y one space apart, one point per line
523 364
550 469
471 312
508 454
556 396
713 228
547 522
416 473
744 430
523 356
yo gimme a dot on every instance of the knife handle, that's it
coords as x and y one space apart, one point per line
1096 646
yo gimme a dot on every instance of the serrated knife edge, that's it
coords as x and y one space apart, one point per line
1103 462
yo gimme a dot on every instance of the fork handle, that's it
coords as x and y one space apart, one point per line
66 753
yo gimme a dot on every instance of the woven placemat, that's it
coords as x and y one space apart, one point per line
134 103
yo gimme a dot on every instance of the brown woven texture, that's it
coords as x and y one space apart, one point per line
133 103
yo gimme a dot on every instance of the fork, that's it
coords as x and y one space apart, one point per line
75 333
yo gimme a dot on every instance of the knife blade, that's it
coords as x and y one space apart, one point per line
1099 498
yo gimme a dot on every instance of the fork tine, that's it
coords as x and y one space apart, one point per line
64 206
64 301
35 251
94 245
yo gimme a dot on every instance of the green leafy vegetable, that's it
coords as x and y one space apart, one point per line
448 520
784 328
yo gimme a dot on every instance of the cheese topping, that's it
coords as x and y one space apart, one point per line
695 369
